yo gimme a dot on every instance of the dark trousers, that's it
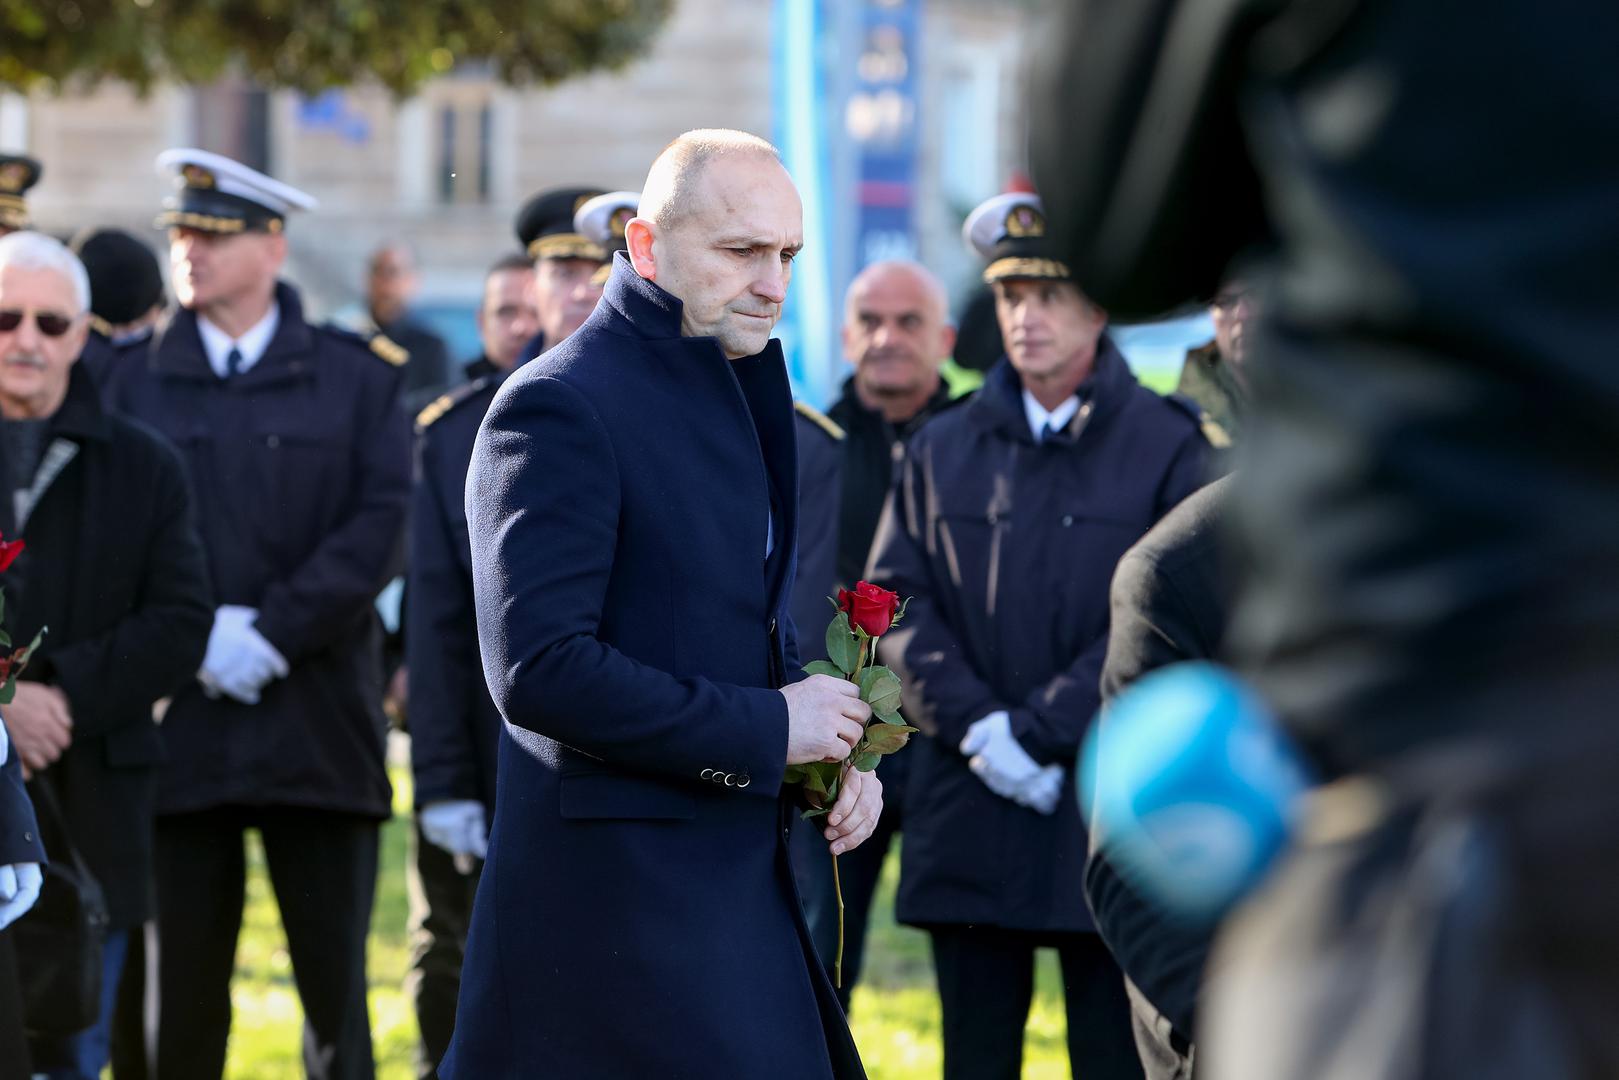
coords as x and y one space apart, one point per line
440 912
323 868
134 1020
986 984
14 1061
858 871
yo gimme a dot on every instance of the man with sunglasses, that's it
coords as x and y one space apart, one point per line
300 455
114 569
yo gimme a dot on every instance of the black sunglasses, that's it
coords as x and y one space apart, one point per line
50 325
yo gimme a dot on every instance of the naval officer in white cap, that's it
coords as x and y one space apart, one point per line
300 455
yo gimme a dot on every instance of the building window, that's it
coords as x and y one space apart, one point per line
465 130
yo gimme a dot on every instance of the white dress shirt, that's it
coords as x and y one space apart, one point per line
252 345
1040 419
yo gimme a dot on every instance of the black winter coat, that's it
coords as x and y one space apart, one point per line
1171 595
114 568
301 466
454 725
1007 547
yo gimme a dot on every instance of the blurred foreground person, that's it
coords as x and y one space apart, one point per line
1428 493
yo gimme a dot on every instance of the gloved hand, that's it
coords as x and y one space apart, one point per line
239 660
19 888
999 760
457 826
5 743
1043 791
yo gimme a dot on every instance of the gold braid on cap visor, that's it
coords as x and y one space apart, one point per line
1001 269
565 246
190 219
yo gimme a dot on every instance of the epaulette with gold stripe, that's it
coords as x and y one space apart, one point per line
389 349
447 401
820 420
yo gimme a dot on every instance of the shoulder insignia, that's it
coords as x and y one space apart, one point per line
447 401
390 350
1213 431
820 420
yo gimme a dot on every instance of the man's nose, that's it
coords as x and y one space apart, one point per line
26 337
772 286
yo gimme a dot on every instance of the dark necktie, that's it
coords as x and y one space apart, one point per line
233 363
1049 430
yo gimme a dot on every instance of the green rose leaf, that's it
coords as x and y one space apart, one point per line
8 691
841 646
815 812
867 762
893 718
793 775
887 738
814 779
879 688
825 667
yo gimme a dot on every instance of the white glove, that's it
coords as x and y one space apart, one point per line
999 760
5 743
239 660
457 826
1042 793
19 888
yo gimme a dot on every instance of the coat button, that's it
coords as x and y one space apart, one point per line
272 441
992 517
744 780
28 837
705 774
730 779
1067 520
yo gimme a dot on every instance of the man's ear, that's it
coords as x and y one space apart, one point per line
277 251
639 234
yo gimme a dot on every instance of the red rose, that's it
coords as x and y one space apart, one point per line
869 608
9 550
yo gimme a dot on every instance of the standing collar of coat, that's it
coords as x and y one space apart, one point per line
649 310
81 416
632 304
177 347
999 405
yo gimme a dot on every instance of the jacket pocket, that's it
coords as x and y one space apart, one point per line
618 796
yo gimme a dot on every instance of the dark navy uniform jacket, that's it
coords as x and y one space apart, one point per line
637 914
301 466
1007 547
19 831
454 725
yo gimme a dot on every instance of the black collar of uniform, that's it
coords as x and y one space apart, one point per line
851 413
177 347
477 369
999 405
81 416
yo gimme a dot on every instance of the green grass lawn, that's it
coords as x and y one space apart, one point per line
895 1010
